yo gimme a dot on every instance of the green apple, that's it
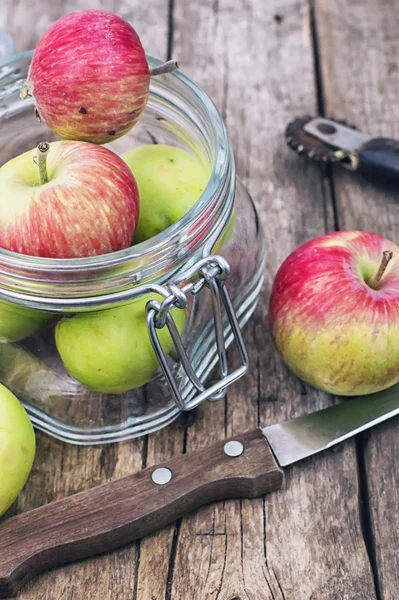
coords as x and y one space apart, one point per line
170 181
17 448
110 351
226 235
18 322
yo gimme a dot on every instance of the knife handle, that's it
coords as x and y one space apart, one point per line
116 513
379 159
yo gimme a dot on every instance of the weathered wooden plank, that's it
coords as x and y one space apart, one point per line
61 469
359 49
156 550
256 63
255 60
28 21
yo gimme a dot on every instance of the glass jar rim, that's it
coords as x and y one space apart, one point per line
220 169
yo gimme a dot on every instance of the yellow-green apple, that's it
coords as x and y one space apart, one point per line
18 322
67 200
334 312
170 181
227 234
110 351
89 77
17 448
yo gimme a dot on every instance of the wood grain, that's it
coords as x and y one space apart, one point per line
255 60
156 550
359 51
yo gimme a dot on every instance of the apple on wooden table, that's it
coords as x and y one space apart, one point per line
334 312
17 448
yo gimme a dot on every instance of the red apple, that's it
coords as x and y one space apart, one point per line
334 312
73 199
89 77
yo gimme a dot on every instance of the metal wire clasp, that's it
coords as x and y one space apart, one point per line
210 272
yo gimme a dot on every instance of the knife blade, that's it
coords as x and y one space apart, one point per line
304 436
116 513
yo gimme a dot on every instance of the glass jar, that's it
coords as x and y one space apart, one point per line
209 264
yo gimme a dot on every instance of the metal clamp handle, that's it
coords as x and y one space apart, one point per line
212 272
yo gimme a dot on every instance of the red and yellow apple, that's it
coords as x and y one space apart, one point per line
89 77
334 312
73 199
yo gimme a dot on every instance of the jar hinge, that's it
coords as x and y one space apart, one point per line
210 272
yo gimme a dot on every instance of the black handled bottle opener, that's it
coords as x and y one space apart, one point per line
331 141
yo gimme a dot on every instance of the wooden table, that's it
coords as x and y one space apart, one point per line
332 533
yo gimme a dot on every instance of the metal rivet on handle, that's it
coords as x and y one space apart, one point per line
161 476
233 448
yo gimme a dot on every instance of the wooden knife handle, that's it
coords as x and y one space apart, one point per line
116 513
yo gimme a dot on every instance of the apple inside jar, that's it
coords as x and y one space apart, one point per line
73 199
56 375
110 351
106 351
67 200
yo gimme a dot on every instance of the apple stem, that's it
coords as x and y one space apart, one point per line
167 67
386 257
42 151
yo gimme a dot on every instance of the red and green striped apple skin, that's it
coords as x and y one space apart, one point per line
333 330
89 206
89 77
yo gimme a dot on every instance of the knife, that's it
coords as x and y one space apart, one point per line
121 511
